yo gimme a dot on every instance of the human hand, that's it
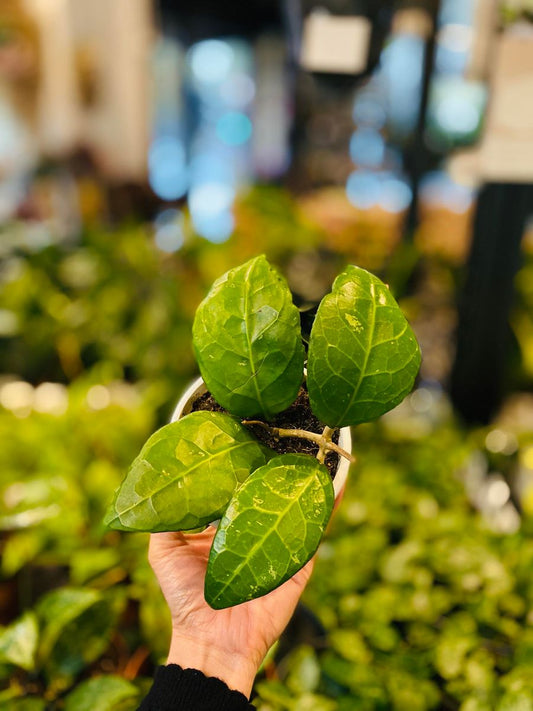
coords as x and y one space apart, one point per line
228 644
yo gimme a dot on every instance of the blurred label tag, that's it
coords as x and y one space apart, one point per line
335 44
507 149
505 153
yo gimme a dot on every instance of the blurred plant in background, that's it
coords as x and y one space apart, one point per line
424 606
422 590
113 225
513 10
522 315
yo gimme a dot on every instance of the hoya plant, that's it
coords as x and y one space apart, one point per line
362 359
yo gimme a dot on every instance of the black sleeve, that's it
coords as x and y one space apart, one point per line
177 689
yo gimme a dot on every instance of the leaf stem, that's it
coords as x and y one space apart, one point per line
323 440
327 434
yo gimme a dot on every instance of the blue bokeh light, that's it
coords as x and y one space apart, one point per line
368 110
216 227
234 128
401 67
169 235
396 194
166 148
437 188
456 116
210 206
211 167
457 11
450 61
385 190
211 61
167 169
363 189
211 198
237 91
454 44
367 148
456 106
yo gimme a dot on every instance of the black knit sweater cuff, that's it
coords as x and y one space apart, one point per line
177 689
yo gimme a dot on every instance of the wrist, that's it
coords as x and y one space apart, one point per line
235 670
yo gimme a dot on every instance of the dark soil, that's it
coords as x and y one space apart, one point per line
297 416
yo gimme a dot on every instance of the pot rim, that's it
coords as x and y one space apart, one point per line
198 387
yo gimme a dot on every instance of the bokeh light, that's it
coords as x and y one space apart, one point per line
384 190
396 194
238 91
438 189
454 43
363 189
167 168
169 234
234 128
369 110
456 107
401 68
210 207
211 166
210 61
216 227
367 148
210 198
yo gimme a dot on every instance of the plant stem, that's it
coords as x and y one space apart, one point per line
323 440
327 434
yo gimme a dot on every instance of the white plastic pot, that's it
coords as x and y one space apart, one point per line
198 388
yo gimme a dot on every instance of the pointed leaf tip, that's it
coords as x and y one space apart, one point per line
247 340
272 527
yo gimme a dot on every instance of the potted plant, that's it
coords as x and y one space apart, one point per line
256 447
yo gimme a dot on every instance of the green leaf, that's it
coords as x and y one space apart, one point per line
57 609
516 701
88 563
361 679
351 645
363 355
19 549
105 693
274 692
451 654
18 642
474 703
303 670
186 474
247 340
76 628
271 528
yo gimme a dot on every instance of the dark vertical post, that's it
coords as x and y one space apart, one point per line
478 374
417 158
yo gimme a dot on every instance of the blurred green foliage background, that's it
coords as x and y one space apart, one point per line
422 593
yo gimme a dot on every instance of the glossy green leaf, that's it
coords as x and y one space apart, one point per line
363 355
271 528
186 474
18 642
105 693
247 340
